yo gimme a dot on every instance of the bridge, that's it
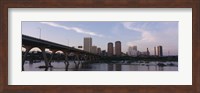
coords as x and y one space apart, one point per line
29 42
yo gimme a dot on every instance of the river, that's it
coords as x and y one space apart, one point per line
114 66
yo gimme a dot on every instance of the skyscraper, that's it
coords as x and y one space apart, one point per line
132 51
148 53
87 44
154 51
118 48
99 50
160 51
94 49
110 49
135 48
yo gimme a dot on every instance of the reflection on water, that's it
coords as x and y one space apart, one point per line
118 66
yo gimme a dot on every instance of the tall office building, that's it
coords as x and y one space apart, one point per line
132 51
110 49
160 51
148 53
154 51
87 44
135 48
94 49
99 50
118 48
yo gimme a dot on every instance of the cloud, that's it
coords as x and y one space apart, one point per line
154 34
146 35
75 29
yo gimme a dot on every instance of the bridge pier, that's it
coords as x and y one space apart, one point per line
66 61
51 58
28 48
31 58
78 60
85 58
45 58
82 59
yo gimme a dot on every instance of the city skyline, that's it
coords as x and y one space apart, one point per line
141 34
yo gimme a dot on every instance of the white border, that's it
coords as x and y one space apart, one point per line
181 77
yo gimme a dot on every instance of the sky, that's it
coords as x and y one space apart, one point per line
143 34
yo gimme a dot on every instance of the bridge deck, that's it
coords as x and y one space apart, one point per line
31 41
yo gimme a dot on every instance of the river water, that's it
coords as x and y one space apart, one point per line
114 66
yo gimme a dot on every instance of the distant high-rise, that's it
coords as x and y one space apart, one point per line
94 49
99 50
87 44
154 51
135 48
132 51
110 49
103 53
148 53
160 51
118 48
